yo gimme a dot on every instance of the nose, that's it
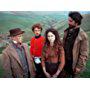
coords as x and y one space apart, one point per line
36 32
50 38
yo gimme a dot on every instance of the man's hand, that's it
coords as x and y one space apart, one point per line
77 70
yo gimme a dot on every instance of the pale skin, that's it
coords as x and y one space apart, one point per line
51 38
37 31
17 38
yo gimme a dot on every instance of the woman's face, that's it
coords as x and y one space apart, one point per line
51 37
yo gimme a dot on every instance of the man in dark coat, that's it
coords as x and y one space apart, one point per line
76 47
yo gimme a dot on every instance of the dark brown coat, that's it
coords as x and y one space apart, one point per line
80 49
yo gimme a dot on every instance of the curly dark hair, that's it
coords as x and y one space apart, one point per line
76 16
38 25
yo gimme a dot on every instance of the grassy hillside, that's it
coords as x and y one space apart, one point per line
25 20
86 22
9 21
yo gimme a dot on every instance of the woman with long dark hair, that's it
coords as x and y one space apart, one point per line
52 54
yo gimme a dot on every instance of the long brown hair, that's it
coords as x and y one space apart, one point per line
57 41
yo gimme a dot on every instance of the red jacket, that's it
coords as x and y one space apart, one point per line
36 46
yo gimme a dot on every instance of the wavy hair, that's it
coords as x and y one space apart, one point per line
57 41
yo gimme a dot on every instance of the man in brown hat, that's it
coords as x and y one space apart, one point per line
16 58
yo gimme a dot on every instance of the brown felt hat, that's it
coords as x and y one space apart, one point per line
15 32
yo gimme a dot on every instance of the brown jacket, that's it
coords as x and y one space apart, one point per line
12 65
80 49
53 55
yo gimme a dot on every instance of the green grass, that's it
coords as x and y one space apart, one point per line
1 69
8 21
86 73
1 49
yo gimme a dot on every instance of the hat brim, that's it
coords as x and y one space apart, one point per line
16 34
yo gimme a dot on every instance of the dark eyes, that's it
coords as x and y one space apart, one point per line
37 30
50 36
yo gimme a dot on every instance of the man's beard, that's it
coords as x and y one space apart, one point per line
71 26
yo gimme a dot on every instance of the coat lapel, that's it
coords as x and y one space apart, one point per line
27 53
15 55
78 39
65 35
